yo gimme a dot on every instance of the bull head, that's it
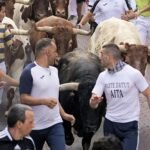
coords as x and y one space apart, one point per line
69 86
26 2
75 30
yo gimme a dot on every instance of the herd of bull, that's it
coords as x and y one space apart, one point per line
31 20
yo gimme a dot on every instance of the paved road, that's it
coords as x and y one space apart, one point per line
144 123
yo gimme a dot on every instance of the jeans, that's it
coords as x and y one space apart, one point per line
126 132
54 136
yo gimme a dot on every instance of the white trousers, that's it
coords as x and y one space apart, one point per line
73 8
2 68
143 26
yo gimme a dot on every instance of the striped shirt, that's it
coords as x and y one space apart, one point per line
5 40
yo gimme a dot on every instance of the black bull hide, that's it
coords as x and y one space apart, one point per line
83 68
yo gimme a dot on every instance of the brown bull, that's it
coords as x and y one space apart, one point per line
58 28
60 8
136 55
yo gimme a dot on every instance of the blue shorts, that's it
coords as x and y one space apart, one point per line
54 136
126 132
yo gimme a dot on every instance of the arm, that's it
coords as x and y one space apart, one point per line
85 18
147 94
9 81
29 100
66 116
131 14
147 8
95 100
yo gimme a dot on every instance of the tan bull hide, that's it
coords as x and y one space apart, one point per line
113 31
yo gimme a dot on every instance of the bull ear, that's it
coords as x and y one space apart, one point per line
69 86
81 31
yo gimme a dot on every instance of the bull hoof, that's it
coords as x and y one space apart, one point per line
69 139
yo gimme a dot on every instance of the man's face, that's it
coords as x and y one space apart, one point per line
28 124
52 53
2 13
104 57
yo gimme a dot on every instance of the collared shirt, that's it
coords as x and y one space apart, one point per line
8 143
119 66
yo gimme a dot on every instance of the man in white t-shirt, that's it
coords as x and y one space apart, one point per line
105 9
121 84
39 88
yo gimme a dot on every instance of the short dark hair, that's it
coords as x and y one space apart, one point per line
108 143
113 49
41 44
17 113
2 4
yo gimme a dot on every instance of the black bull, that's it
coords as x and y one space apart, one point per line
84 68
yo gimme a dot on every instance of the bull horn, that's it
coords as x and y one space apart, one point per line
122 48
69 86
19 32
45 28
26 2
81 31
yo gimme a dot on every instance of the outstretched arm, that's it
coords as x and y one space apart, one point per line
145 9
6 80
147 94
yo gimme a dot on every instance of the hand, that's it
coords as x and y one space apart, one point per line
3 84
69 118
79 26
50 102
95 100
129 15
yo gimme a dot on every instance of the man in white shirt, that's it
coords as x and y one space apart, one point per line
122 85
39 88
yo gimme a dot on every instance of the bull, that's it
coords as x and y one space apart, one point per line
78 71
10 6
118 31
15 61
60 29
60 8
